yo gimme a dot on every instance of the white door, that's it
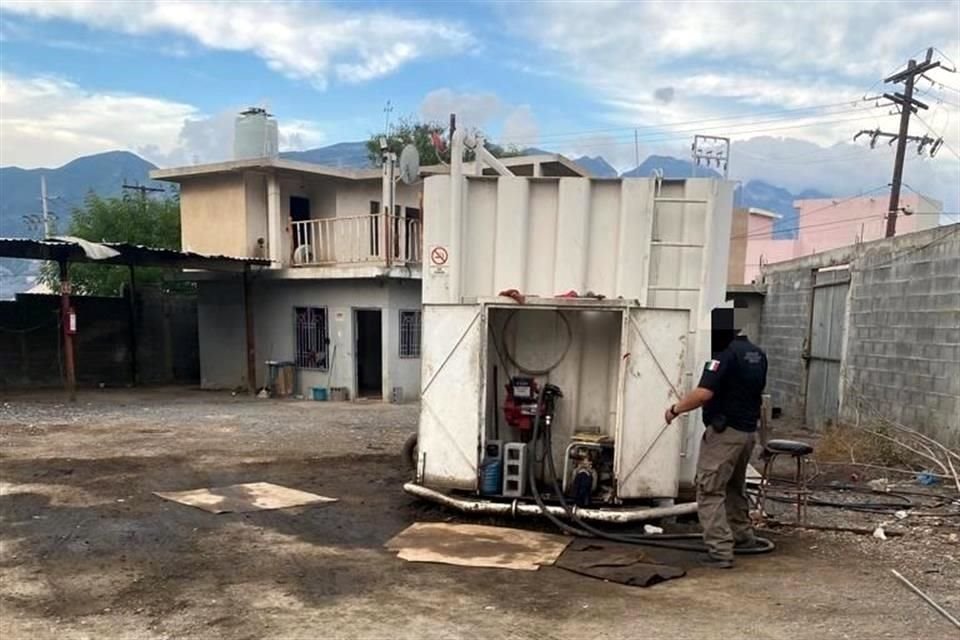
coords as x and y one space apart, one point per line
451 412
647 461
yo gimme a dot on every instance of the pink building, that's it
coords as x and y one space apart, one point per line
828 223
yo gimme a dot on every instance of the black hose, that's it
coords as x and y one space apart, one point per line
588 531
536 372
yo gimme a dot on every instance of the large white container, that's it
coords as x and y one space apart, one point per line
255 135
656 249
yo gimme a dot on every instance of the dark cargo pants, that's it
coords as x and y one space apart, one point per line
721 500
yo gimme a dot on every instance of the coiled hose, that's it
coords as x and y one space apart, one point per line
585 530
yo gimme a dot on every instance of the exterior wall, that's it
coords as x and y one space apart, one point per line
827 224
901 354
256 196
222 353
227 213
784 322
738 246
353 198
213 215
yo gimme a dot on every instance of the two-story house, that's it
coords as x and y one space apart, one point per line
341 299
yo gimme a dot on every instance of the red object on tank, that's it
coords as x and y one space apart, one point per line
520 404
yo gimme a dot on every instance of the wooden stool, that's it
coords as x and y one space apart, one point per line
799 451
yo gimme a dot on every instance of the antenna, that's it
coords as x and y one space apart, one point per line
409 164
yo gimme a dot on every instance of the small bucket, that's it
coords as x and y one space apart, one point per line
319 393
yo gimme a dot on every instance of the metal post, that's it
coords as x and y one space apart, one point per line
47 227
906 109
250 340
132 320
70 381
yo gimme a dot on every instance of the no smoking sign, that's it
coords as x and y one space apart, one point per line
439 256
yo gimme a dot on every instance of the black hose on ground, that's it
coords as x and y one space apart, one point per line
663 540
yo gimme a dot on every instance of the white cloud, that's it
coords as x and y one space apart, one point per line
49 121
303 40
501 121
758 60
472 109
520 124
725 58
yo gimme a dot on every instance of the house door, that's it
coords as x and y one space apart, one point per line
369 353
825 345
300 212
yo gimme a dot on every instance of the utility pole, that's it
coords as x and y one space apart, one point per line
636 148
47 227
143 190
908 105
387 110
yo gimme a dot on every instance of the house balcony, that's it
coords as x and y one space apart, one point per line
376 240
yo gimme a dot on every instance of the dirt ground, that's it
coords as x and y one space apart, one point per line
89 552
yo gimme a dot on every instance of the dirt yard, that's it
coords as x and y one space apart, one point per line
89 552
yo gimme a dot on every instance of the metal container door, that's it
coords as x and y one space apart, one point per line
647 461
451 411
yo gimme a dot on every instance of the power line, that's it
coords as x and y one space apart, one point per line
942 140
812 211
665 137
908 106
851 104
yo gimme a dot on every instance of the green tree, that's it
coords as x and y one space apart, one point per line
420 134
152 222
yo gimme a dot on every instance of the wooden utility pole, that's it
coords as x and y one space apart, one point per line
908 105
143 190
67 328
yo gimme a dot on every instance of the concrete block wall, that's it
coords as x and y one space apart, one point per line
901 355
903 349
783 328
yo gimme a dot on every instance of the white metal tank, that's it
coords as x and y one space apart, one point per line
255 135
648 246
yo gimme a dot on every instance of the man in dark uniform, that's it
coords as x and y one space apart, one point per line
729 391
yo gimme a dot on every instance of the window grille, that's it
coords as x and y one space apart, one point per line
409 334
313 338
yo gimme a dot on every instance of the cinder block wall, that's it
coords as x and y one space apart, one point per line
783 328
902 350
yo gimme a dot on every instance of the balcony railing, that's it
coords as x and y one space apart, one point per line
370 239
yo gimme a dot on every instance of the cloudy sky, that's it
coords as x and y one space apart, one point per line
786 81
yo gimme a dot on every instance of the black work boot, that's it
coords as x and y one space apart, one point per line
713 562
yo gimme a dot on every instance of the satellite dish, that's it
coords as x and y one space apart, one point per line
409 164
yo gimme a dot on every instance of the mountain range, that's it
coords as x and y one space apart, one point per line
106 173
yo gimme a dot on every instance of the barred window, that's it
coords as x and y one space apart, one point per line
409 334
313 338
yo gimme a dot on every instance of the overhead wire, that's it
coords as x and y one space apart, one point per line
673 128
684 135
850 103
818 209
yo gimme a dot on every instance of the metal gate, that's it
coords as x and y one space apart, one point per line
824 350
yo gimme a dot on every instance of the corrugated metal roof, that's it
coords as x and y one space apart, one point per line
126 254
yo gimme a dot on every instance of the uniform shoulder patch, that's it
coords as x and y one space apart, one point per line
713 365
